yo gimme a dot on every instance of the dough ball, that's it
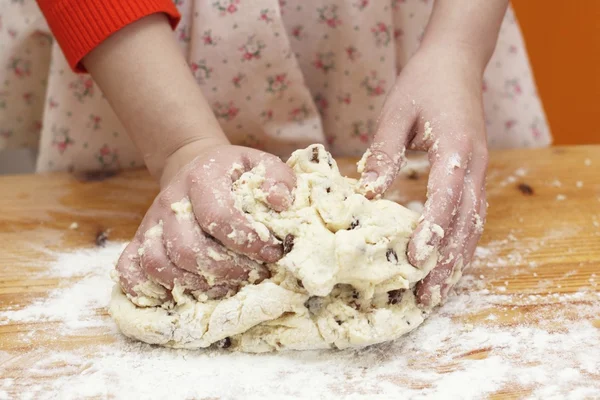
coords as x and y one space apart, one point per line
344 280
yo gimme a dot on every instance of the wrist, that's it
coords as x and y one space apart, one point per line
468 27
467 58
184 154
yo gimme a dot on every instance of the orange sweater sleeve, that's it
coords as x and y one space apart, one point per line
81 25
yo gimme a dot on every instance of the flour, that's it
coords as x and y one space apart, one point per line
82 291
451 356
518 173
427 131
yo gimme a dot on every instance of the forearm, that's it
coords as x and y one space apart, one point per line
468 26
144 76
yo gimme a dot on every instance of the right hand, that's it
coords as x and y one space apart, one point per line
436 106
213 249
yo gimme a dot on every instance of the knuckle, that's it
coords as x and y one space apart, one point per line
147 261
151 259
212 217
221 216
270 159
466 155
163 200
180 253
381 160
128 254
481 152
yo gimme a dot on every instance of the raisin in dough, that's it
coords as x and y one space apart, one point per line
343 282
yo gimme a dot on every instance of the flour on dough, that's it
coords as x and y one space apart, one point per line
344 281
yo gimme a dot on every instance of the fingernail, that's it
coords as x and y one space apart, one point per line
369 177
282 190
271 253
279 197
421 247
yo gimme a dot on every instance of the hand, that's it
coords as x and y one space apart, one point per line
194 237
436 106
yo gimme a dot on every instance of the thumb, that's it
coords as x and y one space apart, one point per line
381 163
280 180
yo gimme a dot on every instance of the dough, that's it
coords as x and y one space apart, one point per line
343 282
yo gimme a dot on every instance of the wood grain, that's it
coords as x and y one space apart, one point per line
555 227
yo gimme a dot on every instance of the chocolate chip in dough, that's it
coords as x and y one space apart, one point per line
525 189
328 190
391 256
224 343
315 155
394 296
354 224
288 243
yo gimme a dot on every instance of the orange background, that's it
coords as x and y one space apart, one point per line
563 41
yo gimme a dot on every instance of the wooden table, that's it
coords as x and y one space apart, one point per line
540 255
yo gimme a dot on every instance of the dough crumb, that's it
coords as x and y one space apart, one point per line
427 131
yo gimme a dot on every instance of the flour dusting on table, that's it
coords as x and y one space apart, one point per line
548 349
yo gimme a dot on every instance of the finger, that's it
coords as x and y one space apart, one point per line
462 232
214 207
479 223
279 179
444 190
459 244
132 277
434 288
279 182
429 290
129 270
477 172
159 268
190 249
382 161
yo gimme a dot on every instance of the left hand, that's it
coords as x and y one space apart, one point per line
436 106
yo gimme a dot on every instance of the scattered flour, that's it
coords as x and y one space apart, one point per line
520 172
85 283
549 348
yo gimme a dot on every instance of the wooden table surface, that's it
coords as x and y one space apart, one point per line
544 216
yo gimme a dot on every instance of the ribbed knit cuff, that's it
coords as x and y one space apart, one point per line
81 25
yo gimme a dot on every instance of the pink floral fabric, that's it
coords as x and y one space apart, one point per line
279 75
